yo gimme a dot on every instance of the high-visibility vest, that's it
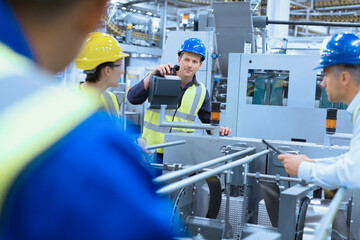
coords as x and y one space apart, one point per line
191 103
34 114
109 101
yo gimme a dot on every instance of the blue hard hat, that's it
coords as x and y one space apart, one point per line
342 48
194 45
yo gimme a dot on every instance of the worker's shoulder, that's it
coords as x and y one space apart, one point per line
98 135
102 130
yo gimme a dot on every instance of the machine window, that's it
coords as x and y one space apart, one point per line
267 87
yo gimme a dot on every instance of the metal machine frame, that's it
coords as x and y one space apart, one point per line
199 149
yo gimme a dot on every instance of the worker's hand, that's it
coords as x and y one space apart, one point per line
163 69
224 131
292 162
141 142
159 70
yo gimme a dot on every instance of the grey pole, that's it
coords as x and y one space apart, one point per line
163 145
272 177
197 167
180 184
328 24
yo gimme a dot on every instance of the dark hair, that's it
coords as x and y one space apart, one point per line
94 77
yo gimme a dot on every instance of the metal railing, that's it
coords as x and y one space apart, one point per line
163 145
272 177
196 178
197 167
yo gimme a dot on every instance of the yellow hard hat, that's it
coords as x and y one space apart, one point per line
99 48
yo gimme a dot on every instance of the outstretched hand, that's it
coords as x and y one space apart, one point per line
292 162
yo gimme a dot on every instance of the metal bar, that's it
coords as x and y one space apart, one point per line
245 197
187 125
330 24
163 145
321 231
345 136
197 167
323 14
178 185
264 176
338 7
171 167
163 16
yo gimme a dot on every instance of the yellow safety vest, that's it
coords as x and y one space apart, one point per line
191 103
35 119
109 101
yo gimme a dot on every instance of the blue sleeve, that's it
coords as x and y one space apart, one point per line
90 185
137 94
205 110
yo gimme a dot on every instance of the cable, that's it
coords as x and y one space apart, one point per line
179 105
173 118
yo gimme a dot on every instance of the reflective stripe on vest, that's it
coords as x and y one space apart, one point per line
355 113
182 115
110 101
32 123
192 101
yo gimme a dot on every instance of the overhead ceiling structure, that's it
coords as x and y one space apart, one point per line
300 10
166 15
339 11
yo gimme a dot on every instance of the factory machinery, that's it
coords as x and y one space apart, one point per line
236 188
243 192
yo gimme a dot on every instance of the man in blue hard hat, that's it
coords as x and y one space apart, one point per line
340 61
67 171
194 98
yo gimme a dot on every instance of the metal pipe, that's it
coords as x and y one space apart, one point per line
197 167
187 125
265 176
163 145
178 185
163 16
330 24
322 231
172 167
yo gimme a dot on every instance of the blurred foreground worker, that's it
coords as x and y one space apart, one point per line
340 61
194 99
101 59
67 172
